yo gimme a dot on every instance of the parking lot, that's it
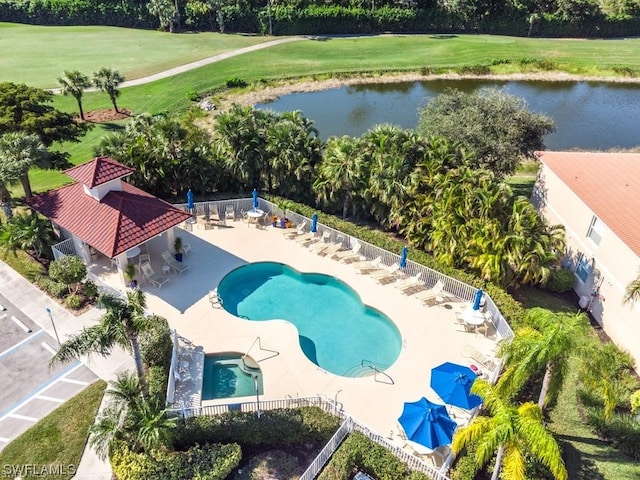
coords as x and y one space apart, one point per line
30 389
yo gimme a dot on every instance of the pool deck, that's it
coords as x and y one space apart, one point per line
430 335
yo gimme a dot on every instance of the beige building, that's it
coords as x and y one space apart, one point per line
596 196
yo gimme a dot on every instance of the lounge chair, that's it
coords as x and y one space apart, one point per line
320 243
368 266
229 212
387 274
427 297
291 234
183 376
485 361
350 256
409 286
330 249
151 276
306 238
176 266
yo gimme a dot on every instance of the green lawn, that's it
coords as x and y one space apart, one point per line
37 55
60 437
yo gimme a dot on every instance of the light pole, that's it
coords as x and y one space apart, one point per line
255 382
53 325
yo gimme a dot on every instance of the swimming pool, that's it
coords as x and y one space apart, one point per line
223 377
336 330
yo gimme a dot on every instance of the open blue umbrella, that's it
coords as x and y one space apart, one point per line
403 257
452 382
476 300
190 200
255 198
314 223
427 423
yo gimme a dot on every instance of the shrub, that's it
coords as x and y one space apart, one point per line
235 82
274 428
204 462
359 452
193 96
157 378
90 290
560 280
69 270
155 344
474 70
73 301
53 288
623 430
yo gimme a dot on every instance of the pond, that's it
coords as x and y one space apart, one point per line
588 115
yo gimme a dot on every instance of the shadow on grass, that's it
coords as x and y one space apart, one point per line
443 36
534 297
579 466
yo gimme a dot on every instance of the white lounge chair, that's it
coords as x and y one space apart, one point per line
299 230
408 286
320 243
176 266
387 274
368 266
151 276
429 296
485 361
350 256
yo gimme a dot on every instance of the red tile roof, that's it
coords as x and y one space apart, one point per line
98 171
609 183
120 221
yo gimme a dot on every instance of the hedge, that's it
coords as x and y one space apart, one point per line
511 309
274 428
358 452
204 462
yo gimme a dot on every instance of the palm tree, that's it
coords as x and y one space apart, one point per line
121 325
545 343
19 152
31 233
74 83
108 80
632 292
509 432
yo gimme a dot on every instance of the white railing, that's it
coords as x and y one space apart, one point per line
65 247
327 452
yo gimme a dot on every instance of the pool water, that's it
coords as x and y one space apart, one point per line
336 330
223 377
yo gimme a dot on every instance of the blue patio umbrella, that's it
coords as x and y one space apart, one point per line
452 382
476 300
403 257
314 223
427 423
254 194
190 200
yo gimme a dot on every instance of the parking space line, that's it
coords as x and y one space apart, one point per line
71 380
19 344
49 399
47 347
20 324
22 417
27 398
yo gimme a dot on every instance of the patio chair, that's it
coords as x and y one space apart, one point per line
214 298
350 256
183 377
485 361
186 247
150 276
368 266
176 266
330 250
144 257
487 325
386 274
409 286
229 212
291 234
319 243
428 297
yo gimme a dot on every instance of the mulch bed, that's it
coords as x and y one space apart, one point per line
105 115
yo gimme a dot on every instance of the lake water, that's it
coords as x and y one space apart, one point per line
588 115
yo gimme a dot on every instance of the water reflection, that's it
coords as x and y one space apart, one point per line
588 115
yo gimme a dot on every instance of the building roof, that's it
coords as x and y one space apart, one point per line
98 171
113 225
608 183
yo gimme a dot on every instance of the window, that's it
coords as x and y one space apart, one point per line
596 229
584 267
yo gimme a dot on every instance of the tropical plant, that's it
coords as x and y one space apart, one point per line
19 151
69 270
632 291
108 80
497 126
166 12
510 433
29 232
74 83
545 343
120 326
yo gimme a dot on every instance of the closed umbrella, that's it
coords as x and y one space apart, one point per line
403 257
314 223
190 200
476 300
255 198
452 382
427 423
